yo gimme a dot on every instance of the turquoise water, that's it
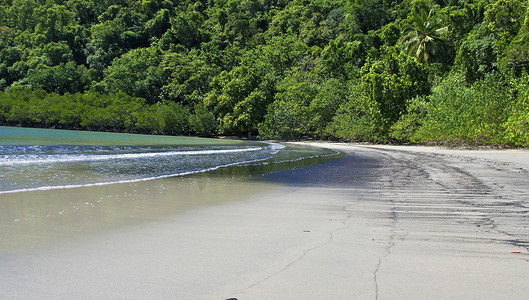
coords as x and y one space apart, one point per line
42 159
54 137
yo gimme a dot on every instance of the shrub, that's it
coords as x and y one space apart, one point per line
517 125
202 121
463 114
404 129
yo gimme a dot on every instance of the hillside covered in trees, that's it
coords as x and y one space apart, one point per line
421 71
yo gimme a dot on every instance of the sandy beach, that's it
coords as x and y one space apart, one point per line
383 222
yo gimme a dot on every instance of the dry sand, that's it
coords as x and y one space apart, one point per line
381 223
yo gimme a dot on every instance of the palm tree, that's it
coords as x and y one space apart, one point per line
422 35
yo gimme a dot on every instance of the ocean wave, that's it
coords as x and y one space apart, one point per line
183 173
66 158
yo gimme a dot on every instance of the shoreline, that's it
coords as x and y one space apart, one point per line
518 156
382 222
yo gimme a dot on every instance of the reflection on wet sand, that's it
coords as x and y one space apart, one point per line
33 218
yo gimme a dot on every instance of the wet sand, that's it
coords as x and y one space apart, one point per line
380 223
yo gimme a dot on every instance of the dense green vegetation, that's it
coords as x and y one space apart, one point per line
421 71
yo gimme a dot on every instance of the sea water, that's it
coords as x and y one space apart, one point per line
44 159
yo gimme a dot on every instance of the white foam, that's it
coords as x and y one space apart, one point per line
46 159
46 188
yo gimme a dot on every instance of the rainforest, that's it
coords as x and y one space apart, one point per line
451 72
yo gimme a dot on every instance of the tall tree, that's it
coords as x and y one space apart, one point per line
422 35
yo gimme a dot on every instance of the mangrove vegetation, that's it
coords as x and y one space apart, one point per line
409 71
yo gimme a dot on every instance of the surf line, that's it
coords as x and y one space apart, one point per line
80 158
59 187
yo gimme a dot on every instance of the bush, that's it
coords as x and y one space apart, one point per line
517 125
355 121
463 114
404 129
203 121
285 120
323 107
175 118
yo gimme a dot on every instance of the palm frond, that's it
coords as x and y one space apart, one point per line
422 34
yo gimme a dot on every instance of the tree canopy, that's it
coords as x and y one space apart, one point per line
419 71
